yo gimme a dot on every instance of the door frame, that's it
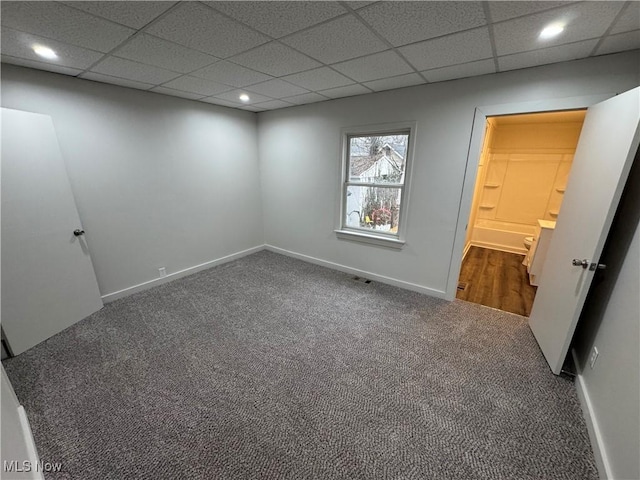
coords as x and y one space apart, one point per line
478 131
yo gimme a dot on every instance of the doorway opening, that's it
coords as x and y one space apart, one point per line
521 178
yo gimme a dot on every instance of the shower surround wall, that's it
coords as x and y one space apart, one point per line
522 175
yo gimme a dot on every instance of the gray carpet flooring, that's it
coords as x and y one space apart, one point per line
272 368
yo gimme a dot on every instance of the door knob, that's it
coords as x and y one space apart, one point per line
580 263
77 232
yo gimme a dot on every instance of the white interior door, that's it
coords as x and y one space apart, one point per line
603 158
48 282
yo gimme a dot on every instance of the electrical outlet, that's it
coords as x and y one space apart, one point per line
163 271
593 357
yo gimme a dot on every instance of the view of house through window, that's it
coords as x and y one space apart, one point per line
376 167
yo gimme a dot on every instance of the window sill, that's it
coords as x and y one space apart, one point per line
378 240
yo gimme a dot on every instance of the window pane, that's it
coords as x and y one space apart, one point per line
378 159
373 208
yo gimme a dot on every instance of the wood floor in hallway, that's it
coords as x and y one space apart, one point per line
496 279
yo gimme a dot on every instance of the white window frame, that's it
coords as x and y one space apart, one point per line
375 237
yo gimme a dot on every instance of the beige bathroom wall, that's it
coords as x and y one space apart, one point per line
522 176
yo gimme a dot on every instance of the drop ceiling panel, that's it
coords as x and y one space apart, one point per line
64 24
233 96
348 91
620 43
583 21
337 40
98 77
318 79
132 14
277 89
374 67
280 18
200 27
453 49
40 65
224 103
470 69
176 93
231 74
418 21
161 53
629 20
119 67
275 59
511 9
20 44
546 55
273 104
305 98
395 82
197 85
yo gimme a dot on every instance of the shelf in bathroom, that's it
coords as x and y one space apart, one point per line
491 185
553 213
560 190
487 207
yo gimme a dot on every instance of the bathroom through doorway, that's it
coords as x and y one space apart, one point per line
522 175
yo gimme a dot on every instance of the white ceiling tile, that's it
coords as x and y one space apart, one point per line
119 67
161 53
49 67
545 56
348 91
584 20
275 59
218 101
374 67
470 69
231 74
305 98
357 5
197 85
273 104
338 40
629 20
620 43
277 88
132 14
123 82
234 96
318 79
504 10
20 44
417 21
450 50
198 26
176 93
280 18
395 82
65 24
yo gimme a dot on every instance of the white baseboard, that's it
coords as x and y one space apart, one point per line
361 273
597 443
32 452
466 250
110 297
502 248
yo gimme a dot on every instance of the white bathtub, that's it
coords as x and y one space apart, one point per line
508 237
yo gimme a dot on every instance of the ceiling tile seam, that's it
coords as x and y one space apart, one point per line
41 63
460 64
131 37
71 5
549 47
248 87
492 39
383 39
117 84
538 12
608 30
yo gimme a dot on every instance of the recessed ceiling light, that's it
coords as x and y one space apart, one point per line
244 97
45 52
551 31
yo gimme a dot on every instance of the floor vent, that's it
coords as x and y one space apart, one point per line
462 286
361 279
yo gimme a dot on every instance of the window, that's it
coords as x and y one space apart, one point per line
375 178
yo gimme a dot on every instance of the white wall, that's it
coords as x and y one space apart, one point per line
300 161
159 181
